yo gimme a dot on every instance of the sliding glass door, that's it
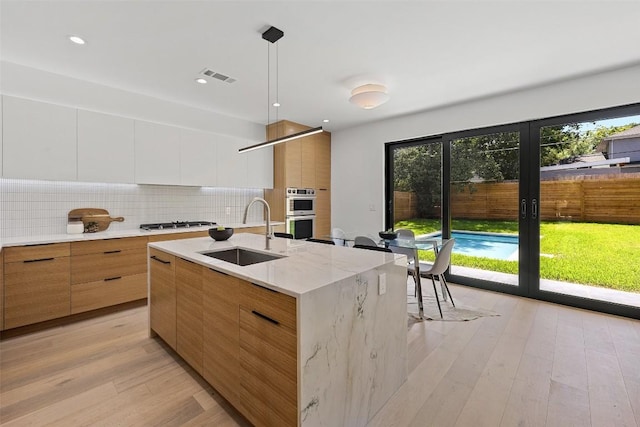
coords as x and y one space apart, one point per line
589 225
548 209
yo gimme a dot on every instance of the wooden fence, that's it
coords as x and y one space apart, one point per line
610 199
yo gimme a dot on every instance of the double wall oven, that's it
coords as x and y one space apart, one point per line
300 212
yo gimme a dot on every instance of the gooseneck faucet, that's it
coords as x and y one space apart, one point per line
267 233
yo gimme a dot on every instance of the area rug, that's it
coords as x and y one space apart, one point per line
459 313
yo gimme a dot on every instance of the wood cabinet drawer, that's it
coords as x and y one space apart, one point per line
176 236
36 252
268 374
106 265
103 293
274 305
36 291
108 245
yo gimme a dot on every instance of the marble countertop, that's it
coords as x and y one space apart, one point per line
304 267
113 234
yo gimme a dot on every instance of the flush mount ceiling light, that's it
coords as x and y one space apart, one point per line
77 39
369 96
272 35
201 81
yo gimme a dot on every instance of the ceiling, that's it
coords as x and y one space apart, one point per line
429 53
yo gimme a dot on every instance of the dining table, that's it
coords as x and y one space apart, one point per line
414 246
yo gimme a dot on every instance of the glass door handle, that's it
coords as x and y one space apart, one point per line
534 208
523 208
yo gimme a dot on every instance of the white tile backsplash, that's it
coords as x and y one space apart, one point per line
32 208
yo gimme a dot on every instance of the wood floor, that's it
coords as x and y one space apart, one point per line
537 364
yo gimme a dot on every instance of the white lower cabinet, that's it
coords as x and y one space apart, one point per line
39 140
157 153
105 148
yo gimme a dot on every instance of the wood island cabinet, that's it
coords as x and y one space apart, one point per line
36 283
107 272
189 313
221 335
239 336
268 356
1 290
162 307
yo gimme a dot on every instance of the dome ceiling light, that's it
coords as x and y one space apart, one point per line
369 96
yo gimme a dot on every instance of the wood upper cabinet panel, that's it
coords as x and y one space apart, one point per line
323 213
162 309
274 305
322 148
293 163
107 265
308 162
36 291
189 312
108 245
221 334
36 252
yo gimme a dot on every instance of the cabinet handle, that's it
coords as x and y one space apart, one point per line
108 279
267 318
216 271
262 287
38 260
112 252
155 258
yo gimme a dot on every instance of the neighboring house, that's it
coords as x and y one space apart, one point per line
622 144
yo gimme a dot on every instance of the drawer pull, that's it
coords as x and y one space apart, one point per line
268 319
219 272
38 260
262 287
108 279
155 258
112 252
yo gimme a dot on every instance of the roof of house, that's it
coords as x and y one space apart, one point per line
629 133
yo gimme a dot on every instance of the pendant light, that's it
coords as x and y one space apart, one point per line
272 35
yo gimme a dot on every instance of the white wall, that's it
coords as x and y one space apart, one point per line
25 82
357 154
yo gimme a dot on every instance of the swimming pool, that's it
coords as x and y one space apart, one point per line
486 245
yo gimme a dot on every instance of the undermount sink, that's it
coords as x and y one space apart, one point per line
242 257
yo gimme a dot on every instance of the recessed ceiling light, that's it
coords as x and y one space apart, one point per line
325 121
201 81
77 39
276 104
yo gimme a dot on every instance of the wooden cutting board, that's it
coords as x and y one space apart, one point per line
94 219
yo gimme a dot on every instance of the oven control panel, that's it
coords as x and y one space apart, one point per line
300 191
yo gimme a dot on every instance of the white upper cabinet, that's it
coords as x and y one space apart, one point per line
105 148
39 140
198 165
157 154
260 168
232 166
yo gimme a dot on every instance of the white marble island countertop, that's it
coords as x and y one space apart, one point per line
303 268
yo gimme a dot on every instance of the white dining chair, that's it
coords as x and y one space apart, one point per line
440 265
339 237
364 241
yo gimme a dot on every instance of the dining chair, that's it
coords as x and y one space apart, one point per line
405 233
326 242
440 265
285 235
339 237
364 241
373 248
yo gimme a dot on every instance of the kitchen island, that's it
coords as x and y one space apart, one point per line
314 337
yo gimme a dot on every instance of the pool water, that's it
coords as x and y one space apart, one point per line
486 245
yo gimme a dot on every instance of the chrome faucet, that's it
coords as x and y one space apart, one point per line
267 233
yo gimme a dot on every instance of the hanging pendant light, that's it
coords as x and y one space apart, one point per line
272 35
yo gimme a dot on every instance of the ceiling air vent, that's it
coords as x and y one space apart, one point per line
219 76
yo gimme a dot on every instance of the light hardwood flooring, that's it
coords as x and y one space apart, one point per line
538 364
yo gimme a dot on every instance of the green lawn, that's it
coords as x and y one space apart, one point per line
606 255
